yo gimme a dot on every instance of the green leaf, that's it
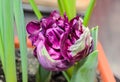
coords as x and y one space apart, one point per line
2 58
1 19
88 12
68 7
20 24
9 49
35 9
61 7
1 36
87 71
94 33
43 75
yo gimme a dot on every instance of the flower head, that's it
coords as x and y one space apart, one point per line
59 43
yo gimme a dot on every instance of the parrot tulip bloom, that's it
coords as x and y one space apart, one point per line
59 43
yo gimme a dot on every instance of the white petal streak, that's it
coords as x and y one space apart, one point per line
79 45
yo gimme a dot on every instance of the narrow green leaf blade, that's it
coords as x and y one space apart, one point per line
35 9
88 12
1 33
1 19
86 72
43 75
20 23
61 7
68 7
9 50
72 8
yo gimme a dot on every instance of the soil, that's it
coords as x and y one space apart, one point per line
32 68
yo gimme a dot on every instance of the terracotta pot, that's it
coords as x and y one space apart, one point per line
103 66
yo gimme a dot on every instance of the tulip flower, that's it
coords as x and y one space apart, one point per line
59 43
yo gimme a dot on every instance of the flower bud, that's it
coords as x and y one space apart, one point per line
59 43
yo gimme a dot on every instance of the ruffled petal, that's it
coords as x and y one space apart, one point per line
55 15
36 38
33 27
64 46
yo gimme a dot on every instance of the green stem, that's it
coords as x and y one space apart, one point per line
35 8
66 76
43 75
